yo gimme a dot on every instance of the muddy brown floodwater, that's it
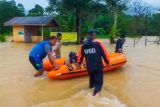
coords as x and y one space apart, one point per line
137 84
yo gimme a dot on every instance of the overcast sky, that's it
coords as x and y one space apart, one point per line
29 4
154 3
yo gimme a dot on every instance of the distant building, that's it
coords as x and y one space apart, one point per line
30 29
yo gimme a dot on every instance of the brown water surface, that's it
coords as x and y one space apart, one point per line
137 84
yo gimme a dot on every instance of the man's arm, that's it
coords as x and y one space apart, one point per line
51 59
48 50
104 48
123 41
80 56
103 54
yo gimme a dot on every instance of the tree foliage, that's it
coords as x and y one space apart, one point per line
36 11
81 9
8 10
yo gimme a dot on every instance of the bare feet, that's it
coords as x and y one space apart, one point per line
39 73
95 95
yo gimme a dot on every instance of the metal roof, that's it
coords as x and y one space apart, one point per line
33 21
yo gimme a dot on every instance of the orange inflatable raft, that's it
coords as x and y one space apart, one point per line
72 71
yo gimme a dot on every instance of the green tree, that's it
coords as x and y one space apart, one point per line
124 23
36 11
21 7
8 10
80 9
154 26
141 10
104 21
67 22
115 7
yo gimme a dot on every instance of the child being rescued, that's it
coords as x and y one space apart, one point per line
72 58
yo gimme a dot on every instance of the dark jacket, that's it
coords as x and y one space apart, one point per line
93 53
119 45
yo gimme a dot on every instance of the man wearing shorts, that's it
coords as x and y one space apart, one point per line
39 52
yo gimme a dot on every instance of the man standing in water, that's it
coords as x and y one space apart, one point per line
120 42
57 47
93 53
119 45
39 52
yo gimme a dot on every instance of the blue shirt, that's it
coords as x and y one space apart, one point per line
41 49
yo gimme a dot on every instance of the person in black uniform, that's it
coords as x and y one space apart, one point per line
93 53
120 42
119 45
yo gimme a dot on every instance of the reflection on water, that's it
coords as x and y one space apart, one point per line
134 85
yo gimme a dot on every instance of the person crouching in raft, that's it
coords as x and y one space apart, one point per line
39 52
72 58
93 53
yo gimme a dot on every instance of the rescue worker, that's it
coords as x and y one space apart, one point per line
93 53
39 52
120 42
119 45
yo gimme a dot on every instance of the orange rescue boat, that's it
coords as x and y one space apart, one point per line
72 71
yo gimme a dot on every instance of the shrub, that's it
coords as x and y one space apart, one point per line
2 38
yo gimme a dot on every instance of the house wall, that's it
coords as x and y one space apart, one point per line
18 33
36 38
34 33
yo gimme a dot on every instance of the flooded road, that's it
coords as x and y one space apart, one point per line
137 84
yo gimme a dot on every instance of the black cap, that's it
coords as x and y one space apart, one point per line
59 34
91 32
52 37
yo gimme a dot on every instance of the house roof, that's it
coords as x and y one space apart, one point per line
32 21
